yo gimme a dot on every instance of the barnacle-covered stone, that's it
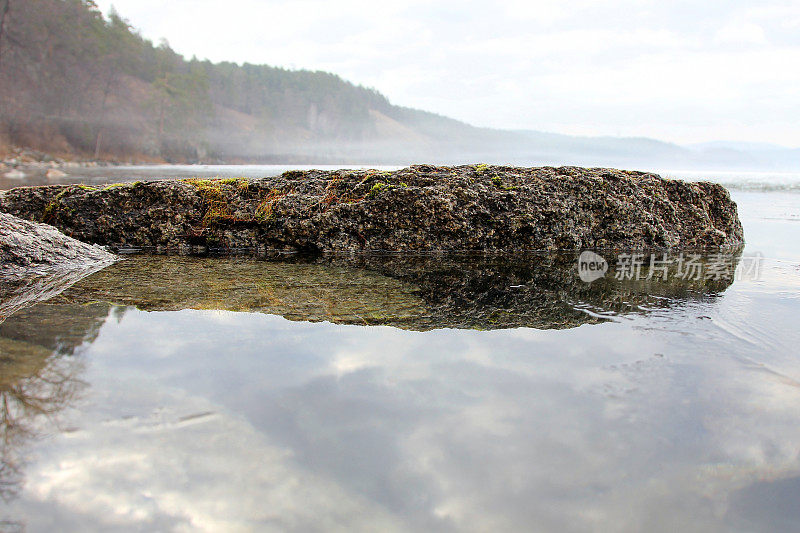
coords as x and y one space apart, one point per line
419 208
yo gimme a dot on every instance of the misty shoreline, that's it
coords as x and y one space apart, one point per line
23 161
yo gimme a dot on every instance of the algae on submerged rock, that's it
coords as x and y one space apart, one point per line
408 291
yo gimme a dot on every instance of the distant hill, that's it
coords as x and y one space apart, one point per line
766 156
73 82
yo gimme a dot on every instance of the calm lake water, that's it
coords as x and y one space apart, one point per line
413 393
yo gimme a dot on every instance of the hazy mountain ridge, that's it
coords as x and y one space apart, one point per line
75 83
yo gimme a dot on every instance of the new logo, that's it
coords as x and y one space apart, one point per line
591 266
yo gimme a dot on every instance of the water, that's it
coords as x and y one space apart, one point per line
410 394
734 180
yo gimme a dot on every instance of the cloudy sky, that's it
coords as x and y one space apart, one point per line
683 71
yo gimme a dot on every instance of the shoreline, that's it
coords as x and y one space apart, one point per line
19 162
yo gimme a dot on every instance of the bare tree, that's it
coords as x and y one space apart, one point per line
24 401
3 14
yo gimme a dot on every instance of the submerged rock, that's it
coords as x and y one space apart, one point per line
542 291
419 208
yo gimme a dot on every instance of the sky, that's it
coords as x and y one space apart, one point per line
680 71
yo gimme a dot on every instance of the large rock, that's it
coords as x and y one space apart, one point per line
421 208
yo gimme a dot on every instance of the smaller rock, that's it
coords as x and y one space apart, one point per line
38 262
14 174
55 173
31 246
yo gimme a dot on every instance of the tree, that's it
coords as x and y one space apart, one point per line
6 6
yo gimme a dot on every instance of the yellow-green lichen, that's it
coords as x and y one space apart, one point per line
379 187
49 213
265 209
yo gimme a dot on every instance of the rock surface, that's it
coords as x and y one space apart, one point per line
29 246
419 208
38 262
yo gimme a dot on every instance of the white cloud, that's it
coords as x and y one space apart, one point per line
219 474
740 33
682 72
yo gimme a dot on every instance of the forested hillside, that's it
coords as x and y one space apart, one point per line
75 82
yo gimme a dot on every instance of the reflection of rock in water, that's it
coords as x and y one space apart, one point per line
298 291
58 327
413 292
39 374
23 291
537 290
35 385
